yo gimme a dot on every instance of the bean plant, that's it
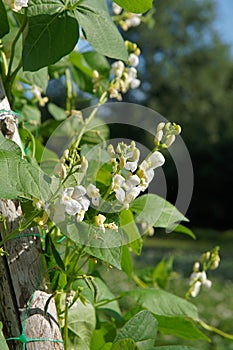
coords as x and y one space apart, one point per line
89 196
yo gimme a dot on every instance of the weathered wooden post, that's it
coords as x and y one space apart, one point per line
20 272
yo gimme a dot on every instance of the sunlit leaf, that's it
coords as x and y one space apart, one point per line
156 211
100 30
49 38
142 328
81 324
136 6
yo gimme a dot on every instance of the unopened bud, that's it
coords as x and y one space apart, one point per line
196 266
160 126
169 140
158 136
95 74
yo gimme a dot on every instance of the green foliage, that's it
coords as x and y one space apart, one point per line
4 26
2 339
49 38
86 199
100 30
142 328
81 325
31 181
136 6
156 211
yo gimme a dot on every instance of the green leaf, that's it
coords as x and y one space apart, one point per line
126 261
97 131
185 230
104 294
101 335
4 25
57 112
126 344
56 255
8 145
21 179
142 328
39 78
180 327
175 347
83 66
162 272
3 343
160 302
156 211
130 228
49 38
100 30
104 246
135 6
40 7
81 325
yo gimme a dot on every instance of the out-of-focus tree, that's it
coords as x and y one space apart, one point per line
188 77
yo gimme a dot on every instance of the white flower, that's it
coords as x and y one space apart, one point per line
133 21
74 200
197 279
146 168
135 83
126 190
133 60
93 193
195 289
16 5
160 126
129 156
84 165
116 8
117 69
158 136
80 215
99 220
60 170
170 140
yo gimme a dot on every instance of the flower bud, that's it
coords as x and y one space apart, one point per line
160 126
169 140
95 74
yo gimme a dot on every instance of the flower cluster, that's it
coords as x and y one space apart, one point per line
209 260
74 202
166 134
128 185
16 5
126 19
123 75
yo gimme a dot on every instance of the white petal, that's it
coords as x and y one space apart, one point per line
118 180
195 289
132 182
120 194
132 166
78 192
84 203
72 207
155 160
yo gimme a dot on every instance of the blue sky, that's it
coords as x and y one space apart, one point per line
224 22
